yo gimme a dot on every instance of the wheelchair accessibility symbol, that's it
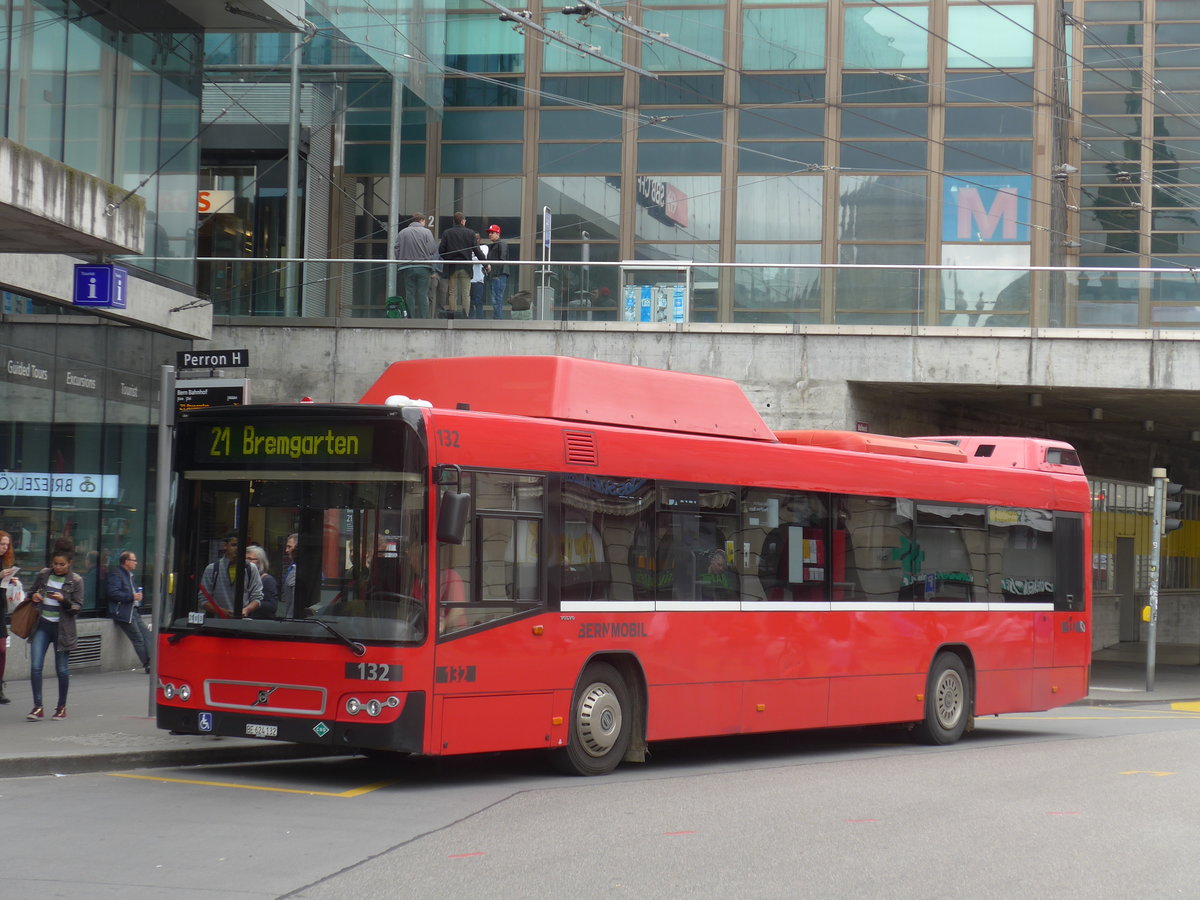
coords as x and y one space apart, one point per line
205 721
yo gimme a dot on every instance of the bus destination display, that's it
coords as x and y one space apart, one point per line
269 442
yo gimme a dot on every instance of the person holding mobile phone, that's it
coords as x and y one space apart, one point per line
59 592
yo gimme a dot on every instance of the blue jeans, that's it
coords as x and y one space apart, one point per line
45 636
477 299
499 283
139 636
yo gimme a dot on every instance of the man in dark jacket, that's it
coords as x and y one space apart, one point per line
124 598
458 248
497 254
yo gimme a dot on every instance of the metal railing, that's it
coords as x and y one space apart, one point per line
674 291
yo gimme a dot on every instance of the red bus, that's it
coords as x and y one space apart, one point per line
502 553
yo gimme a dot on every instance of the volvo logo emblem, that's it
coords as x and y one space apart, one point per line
264 696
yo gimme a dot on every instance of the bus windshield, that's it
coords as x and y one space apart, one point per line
262 546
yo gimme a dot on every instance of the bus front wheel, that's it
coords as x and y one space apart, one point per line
601 720
947 701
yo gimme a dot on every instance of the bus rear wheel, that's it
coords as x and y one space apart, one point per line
947 701
600 723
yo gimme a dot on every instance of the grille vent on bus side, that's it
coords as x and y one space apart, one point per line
581 448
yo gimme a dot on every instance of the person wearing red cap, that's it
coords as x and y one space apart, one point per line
497 252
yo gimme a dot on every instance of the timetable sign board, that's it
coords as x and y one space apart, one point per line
204 393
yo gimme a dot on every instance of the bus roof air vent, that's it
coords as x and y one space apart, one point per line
581 448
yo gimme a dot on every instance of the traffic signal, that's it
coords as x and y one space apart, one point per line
1172 503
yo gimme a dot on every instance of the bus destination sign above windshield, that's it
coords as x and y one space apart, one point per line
284 443
212 359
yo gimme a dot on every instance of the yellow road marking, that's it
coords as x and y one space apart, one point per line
353 792
1144 772
1186 707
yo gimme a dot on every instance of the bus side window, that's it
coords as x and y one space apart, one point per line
881 559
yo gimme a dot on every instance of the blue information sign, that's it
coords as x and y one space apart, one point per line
100 286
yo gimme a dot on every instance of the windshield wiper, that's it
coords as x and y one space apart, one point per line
359 649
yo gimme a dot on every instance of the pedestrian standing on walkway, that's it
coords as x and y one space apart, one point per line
458 247
498 254
416 242
59 592
124 606
478 282
10 588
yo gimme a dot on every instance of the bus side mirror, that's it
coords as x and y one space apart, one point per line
453 514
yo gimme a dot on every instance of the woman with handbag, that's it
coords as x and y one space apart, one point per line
59 591
13 594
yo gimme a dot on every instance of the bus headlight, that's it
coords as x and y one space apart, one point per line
374 708
168 690
353 706
185 693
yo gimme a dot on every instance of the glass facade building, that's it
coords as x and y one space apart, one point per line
79 394
987 142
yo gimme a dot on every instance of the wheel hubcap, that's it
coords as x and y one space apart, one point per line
599 723
948 700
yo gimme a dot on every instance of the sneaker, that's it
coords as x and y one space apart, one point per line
60 713
36 714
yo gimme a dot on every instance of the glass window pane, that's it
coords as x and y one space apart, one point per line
476 159
987 156
990 37
888 155
885 121
796 201
985 297
483 125
679 90
879 37
974 87
578 125
560 58
774 294
870 87
477 44
678 208
677 157
990 121
699 29
483 200
781 123
1125 11
582 204
782 87
878 296
598 90
779 156
784 38
680 124
882 207
476 92
571 157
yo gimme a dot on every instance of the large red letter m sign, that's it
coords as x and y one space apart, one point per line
979 223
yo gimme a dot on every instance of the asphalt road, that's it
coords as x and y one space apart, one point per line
1083 801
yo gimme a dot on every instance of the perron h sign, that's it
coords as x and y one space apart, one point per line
102 286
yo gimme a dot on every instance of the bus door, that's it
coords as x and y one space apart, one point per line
1072 634
486 662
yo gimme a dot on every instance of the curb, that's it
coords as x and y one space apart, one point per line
81 764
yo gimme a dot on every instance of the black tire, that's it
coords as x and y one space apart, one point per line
948 701
600 725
